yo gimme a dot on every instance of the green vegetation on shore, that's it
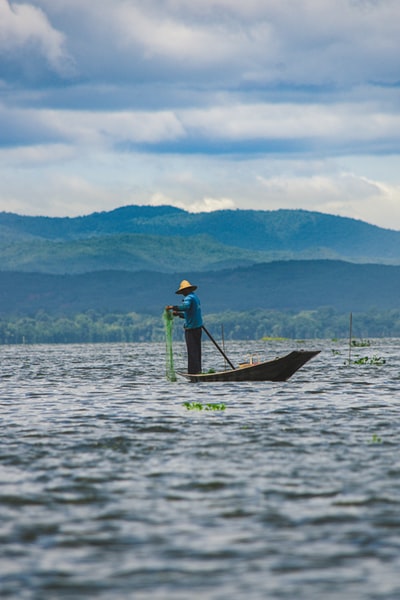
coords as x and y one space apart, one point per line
95 327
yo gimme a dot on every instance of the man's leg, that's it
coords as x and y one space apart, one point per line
193 344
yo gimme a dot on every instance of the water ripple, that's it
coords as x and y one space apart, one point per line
111 488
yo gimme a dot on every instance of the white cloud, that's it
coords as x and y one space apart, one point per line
261 104
113 128
304 42
203 205
322 128
99 128
25 27
343 194
36 156
357 122
56 194
210 204
83 183
168 38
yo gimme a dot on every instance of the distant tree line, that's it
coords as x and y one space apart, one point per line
95 327
87 327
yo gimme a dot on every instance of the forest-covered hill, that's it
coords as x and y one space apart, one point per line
284 286
246 263
168 239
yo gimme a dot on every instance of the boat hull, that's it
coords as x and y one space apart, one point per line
278 369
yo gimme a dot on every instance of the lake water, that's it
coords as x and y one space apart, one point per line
110 488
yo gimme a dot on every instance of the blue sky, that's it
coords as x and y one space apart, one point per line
204 105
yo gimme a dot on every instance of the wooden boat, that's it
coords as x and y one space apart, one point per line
278 369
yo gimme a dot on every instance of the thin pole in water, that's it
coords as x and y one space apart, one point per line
350 335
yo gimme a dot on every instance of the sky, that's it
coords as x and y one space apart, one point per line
201 104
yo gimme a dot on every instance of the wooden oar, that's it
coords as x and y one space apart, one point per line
219 348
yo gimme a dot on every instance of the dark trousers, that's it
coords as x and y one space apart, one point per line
193 345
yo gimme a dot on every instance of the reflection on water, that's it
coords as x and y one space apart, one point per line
111 488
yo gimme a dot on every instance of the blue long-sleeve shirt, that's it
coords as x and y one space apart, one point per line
191 310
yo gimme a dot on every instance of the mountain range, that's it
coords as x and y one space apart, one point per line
168 239
284 285
132 259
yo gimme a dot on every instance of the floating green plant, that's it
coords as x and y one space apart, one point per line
360 343
208 406
376 439
193 405
366 360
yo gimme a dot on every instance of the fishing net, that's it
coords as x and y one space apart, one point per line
168 325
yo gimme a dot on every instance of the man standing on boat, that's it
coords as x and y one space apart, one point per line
190 310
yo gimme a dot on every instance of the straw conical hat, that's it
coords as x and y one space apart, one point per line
185 286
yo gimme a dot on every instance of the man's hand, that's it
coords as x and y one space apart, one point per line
175 312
